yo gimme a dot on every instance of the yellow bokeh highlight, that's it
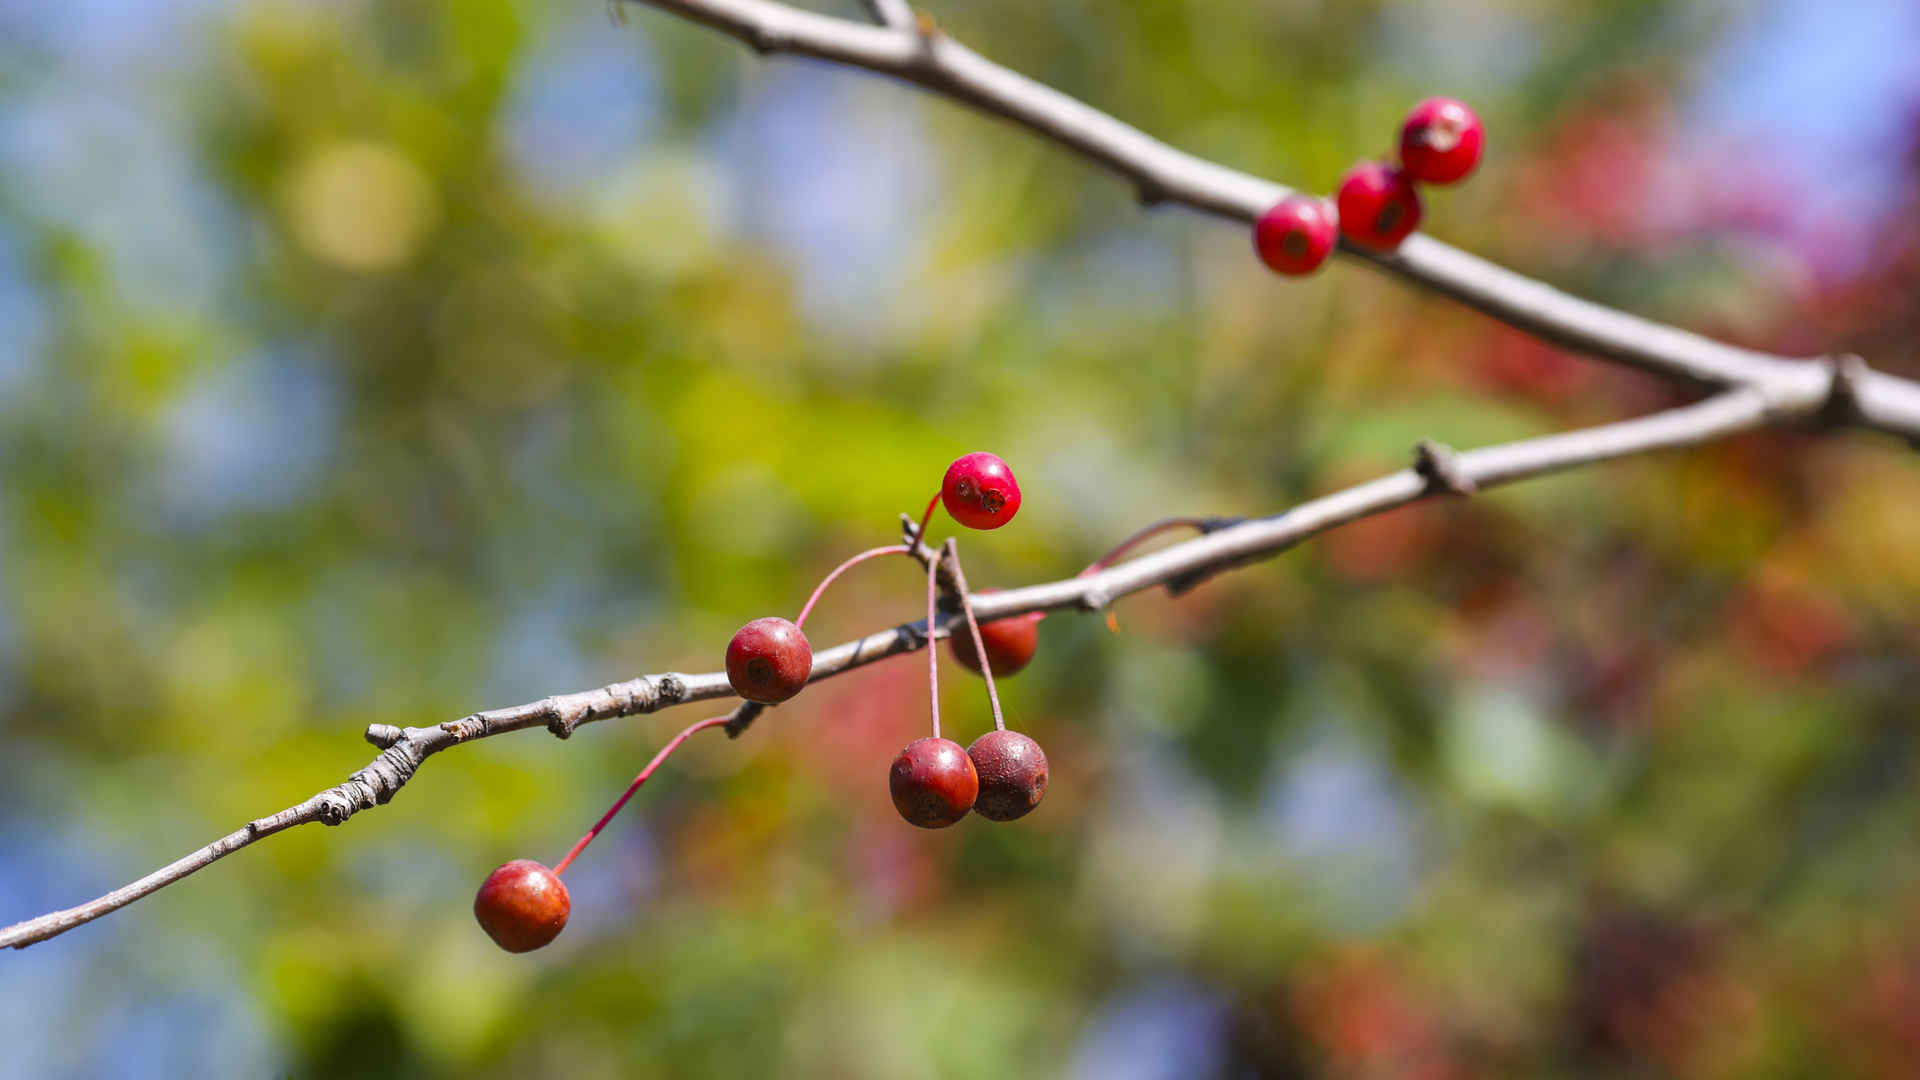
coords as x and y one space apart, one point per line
361 206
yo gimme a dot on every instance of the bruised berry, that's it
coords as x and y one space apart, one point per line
979 491
769 660
933 783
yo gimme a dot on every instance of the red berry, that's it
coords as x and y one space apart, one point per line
979 491
1295 236
933 783
1378 206
1441 141
1013 774
1010 643
522 905
769 660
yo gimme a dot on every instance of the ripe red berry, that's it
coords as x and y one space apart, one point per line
1010 643
1013 774
933 783
979 491
1441 141
769 660
1378 206
522 905
1295 236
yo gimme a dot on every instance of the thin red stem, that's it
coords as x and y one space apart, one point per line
973 627
921 536
1147 533
874 553
665 752
933 654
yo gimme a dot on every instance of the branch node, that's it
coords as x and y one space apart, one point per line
1843 389
669 689
1440 467
924 25
1095 600
764 40
384 735
560 720
1187 582
743 718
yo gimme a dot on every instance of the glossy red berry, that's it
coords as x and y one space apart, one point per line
1013 775
1295 236
769 660
522 905
1378 206
1010 644
979 491
933 783
1441 141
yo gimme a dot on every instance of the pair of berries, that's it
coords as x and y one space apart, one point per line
1378 206
1003 775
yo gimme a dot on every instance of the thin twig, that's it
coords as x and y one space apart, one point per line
1178 566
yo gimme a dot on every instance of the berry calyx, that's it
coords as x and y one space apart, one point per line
1378 206
769 660
979 491
522 905
1296 235
1441 141
933 782
1013 775
1010 643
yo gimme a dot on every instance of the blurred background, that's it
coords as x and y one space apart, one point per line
378 361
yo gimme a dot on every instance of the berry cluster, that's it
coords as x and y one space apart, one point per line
934 782
1377 206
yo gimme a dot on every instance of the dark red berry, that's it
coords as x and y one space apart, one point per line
1295 236
769 660
1378 206
1441 141
1010 643
1013 774
933 783
522 905
979 491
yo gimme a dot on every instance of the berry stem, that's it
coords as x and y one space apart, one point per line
873 553
1137 538
933 654
665 752
973 627
920 537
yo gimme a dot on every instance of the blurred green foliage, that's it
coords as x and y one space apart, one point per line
382 361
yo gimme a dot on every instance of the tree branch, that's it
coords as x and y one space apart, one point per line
1757 390
1178 567
1163 173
